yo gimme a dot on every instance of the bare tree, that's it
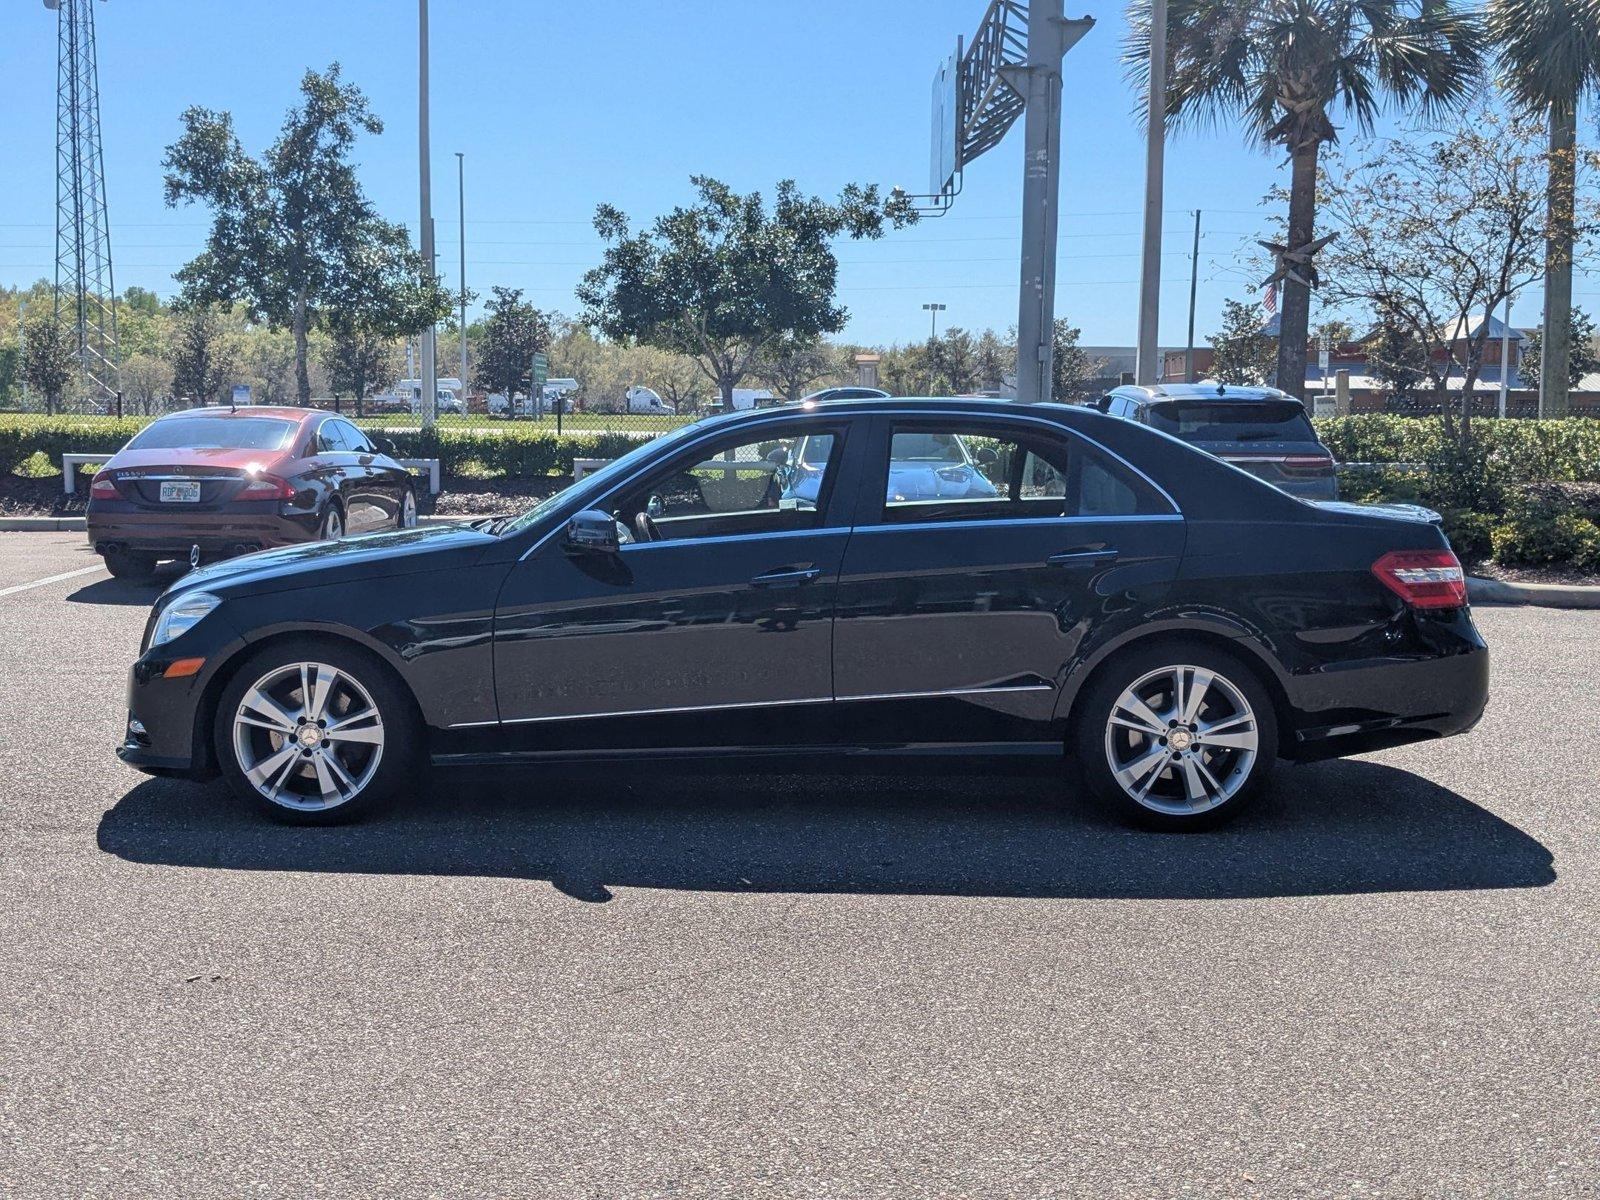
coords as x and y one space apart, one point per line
1435 231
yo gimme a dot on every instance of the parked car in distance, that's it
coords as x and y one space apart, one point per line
846 392
213 482
1260 430
1173 624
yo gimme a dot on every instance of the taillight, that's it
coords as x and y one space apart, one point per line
104 487
1307 463
267 487
1423 578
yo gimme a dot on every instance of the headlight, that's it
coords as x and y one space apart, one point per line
182 615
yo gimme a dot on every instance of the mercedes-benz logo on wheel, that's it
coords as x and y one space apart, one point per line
194 556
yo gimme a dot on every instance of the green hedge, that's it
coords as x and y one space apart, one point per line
1513 450
508 449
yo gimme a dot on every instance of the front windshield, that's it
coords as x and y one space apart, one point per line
214 433
579 494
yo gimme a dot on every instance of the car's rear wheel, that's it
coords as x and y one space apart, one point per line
1176 737
331 527
130 564
408 510
315 732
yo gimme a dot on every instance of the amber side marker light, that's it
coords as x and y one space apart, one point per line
179 667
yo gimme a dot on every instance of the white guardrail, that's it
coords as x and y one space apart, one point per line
71 462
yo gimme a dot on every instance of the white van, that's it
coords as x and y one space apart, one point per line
648 401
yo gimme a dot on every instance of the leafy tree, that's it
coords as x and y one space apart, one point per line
1072 370
1397 358
1581 359
204 355
513 331
1242 354
289 229
995 359
676 378
146 380
721 279
952 363
359 362
1283 68
268 355
791 366
49 357
1550 60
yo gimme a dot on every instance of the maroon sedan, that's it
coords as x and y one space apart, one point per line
215 482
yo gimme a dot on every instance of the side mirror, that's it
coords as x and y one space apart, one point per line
986 456
592 532
778 456
1103 404
385 446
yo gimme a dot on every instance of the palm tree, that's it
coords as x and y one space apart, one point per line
1284 68
1550 56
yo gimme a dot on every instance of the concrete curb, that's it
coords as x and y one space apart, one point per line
42 524
1545 595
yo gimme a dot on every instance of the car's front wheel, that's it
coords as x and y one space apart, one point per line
1176 737
315 732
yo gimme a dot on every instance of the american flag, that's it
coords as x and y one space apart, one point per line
1269 303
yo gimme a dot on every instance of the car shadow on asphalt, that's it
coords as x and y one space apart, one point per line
1329 828
140 592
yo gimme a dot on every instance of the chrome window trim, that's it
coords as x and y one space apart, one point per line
730 537
694 708
1030 522
786 415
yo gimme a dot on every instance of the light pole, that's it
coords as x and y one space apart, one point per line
430 366
1145 370
461 204
933 311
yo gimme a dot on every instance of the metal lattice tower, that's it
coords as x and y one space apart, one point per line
84 284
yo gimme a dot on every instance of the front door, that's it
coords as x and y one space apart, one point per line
711 625
987 549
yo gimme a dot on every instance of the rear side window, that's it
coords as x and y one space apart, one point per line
330 437
1234 420
353 438
960 472
213 433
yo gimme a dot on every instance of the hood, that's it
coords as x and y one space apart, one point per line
367 556
1401 512
237 460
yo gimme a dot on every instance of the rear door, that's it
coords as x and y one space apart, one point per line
962 600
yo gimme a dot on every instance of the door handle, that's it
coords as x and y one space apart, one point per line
1073 558
786 577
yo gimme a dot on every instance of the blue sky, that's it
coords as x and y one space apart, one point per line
560 106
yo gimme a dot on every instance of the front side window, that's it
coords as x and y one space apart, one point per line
771 484
963 473
353 438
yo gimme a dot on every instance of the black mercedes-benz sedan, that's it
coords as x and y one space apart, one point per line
832 579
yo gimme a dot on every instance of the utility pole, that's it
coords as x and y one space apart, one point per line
461 204
1050 36
1145 368
22 347
430 366
1194 284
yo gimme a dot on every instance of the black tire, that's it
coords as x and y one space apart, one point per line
331 525
1166 771
130 564
400 749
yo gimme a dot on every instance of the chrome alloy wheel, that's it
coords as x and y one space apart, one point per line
308 736
408 511
1181 740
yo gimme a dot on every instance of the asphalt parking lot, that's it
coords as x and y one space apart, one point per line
1383 983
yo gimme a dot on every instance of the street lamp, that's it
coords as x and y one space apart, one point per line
430 366
933 311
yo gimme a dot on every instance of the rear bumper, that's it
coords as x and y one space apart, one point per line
227 529
1373 704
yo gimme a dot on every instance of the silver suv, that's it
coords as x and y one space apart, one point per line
1260 430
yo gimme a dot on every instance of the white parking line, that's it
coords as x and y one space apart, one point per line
22 587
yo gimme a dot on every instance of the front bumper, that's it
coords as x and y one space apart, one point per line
173 732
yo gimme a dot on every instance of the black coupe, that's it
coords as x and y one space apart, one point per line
780 580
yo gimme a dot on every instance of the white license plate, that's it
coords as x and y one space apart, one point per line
187 492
